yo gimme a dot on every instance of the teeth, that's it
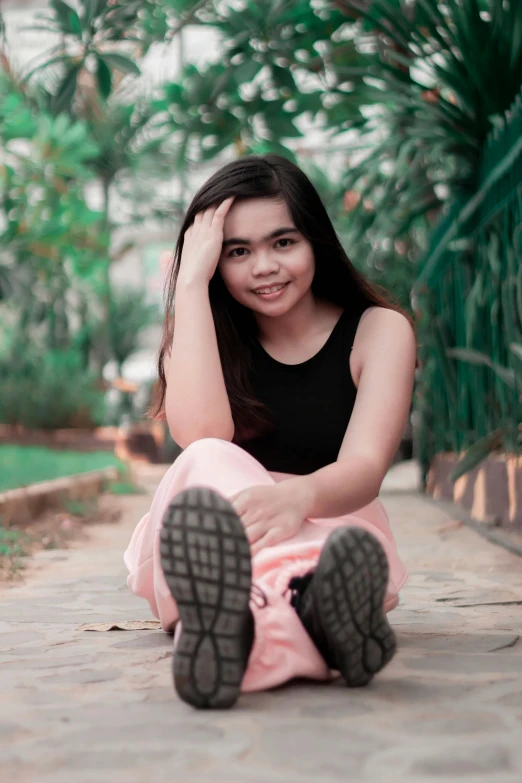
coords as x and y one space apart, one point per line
270 290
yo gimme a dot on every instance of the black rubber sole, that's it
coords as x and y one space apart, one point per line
205 557
349 588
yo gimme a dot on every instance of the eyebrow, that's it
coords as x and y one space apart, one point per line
277 233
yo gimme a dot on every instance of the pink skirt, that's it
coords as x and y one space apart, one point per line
282 648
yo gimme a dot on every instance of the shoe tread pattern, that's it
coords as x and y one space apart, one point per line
205 557
352 579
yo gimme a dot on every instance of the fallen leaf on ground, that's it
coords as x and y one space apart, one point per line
454 525
124 625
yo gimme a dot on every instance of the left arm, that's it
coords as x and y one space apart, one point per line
386 353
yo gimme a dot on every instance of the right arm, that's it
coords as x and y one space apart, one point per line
196 400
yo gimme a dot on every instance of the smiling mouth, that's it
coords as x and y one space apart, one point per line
270 289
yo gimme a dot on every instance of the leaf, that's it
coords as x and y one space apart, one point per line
60 127
283 78
516 348
476 357
61 58
310 101
244 72
121 63
67 17
477 453
104 77
122 625
283 127
65 93
93 8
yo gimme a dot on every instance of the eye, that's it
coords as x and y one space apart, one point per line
230 255
285 239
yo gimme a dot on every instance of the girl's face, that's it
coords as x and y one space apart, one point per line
266 263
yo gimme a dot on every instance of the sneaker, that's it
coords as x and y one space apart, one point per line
205 556
341 605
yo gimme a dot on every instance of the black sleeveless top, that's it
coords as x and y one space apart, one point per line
311 403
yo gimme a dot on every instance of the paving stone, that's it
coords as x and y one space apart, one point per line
321 748
82 676
18 637
342 710
511 700
155 640
460 761
35 663
100 707
469 664
459 643
11 731
458 722
411 691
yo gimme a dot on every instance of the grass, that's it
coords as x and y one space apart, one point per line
24 465
124 488
81 508
13 545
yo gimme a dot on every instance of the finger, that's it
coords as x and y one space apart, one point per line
243 509
238 506
225 205
255 532
251 516
241 500
198 218
223 208
269 539
208 216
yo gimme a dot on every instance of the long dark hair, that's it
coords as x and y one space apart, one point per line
335 279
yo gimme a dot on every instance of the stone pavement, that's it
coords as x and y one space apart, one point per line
79 707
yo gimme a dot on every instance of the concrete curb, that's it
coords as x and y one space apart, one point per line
23 504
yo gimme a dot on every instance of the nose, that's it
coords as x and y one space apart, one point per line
264 263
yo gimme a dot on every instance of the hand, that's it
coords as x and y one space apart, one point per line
203 242
271 514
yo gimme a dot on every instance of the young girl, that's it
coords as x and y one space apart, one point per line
287 380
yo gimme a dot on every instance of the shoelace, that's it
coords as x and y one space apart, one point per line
258 595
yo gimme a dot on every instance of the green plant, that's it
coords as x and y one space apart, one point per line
61 132
25 465
48 390
416 80
11 543
282 65
407 89
469 290
81 508
13 546
504 436
129 315
125 488
440 76
54 243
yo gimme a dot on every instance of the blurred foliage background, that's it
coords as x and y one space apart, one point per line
404 93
